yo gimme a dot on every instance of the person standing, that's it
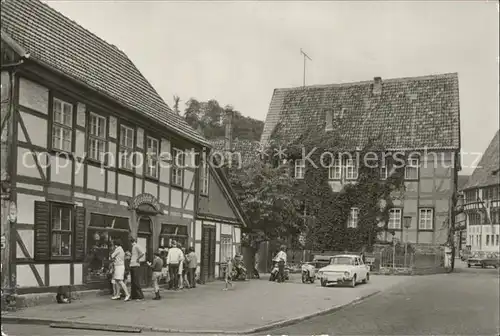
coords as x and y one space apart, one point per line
135 274
281 260
174 258
156 266
229 271
118 259
192 264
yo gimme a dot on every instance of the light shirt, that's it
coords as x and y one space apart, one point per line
193 260
118 256
175 256
137 254
280 255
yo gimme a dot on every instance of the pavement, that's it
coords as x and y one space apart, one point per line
465 302
250 307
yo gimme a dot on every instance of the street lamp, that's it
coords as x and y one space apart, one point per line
407 225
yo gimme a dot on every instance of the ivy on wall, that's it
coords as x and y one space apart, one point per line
372 195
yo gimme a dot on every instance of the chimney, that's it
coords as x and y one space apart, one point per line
377 85
329 120
228 144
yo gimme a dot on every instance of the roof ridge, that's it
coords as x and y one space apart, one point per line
388 80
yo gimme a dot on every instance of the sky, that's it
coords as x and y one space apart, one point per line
239 52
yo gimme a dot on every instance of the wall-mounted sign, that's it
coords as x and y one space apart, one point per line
144 199
12 212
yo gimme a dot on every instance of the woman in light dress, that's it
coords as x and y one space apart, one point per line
118 258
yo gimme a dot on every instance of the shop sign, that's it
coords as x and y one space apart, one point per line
141 199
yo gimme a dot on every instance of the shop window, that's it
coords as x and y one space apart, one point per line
103 230
169 233
59 232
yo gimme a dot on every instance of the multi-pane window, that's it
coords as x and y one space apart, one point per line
352 221
204 178
471 196
153 151
62 126
226 248
177 170
300 169
126 147
491 193
351 169
411 169
394 219
97 137
488 239
497 236
383 172
61 230
335 170
425 219
474 218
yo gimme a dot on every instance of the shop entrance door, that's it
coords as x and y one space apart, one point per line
208 253
144 240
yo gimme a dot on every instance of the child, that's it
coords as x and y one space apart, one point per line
63 294
229 270
157 266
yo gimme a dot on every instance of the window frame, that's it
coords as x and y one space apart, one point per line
224 237
394 210
126 158
300 167
177 174
71 231
204 178
353 218
409 165
61 126
420 218
93 137
335 170
152 158
351 169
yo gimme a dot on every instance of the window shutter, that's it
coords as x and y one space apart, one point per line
42 231
79 234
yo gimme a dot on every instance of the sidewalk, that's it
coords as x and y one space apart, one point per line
251 306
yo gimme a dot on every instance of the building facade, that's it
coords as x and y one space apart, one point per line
482 201
415 118
95 154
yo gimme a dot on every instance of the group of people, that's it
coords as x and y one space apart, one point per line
174 265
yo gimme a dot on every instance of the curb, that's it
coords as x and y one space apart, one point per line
139 328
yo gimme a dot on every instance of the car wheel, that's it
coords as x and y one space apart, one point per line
483 265
367 278
323 283
468 265
304 278
353 281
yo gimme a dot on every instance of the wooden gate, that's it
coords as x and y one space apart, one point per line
208 254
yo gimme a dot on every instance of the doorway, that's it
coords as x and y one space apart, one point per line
208 254
144 240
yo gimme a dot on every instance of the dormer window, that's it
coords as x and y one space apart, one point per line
411 169
335 170
351 169
300 169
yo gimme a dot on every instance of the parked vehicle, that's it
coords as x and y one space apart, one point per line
344 269
239 272
484 259
308 273
275 270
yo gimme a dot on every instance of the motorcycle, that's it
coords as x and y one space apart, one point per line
308 273
275 271
239 272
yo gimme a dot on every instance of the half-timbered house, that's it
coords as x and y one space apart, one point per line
95 154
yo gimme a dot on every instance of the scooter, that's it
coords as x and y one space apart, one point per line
239 273
275 271
308 273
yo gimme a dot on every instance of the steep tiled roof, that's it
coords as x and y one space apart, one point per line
410 113
486 173
462 181
248 149
58 42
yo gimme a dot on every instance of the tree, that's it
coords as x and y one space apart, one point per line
266 194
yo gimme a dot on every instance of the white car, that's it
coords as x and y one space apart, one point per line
344 269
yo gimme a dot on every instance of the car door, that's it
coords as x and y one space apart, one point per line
363 267
360 269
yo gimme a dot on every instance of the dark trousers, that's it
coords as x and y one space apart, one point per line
135 290
173 270
192 277
281 272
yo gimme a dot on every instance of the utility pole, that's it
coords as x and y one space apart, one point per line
306 57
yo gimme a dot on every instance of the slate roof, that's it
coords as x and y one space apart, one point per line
462 181
61 44
484 175
248 149
410 113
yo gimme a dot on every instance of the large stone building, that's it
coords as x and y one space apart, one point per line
94 153
482 201
419 115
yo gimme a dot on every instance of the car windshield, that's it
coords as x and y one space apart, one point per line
342 261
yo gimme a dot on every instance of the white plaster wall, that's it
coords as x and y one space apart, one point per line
125 185
111 182
77 274
59 274
164 195
26 164
33 96
27 236
197 231
176 198
26 208
237 235
96 178
26 278
151 188
138 186
36 128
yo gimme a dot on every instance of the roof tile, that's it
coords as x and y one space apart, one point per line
486 173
